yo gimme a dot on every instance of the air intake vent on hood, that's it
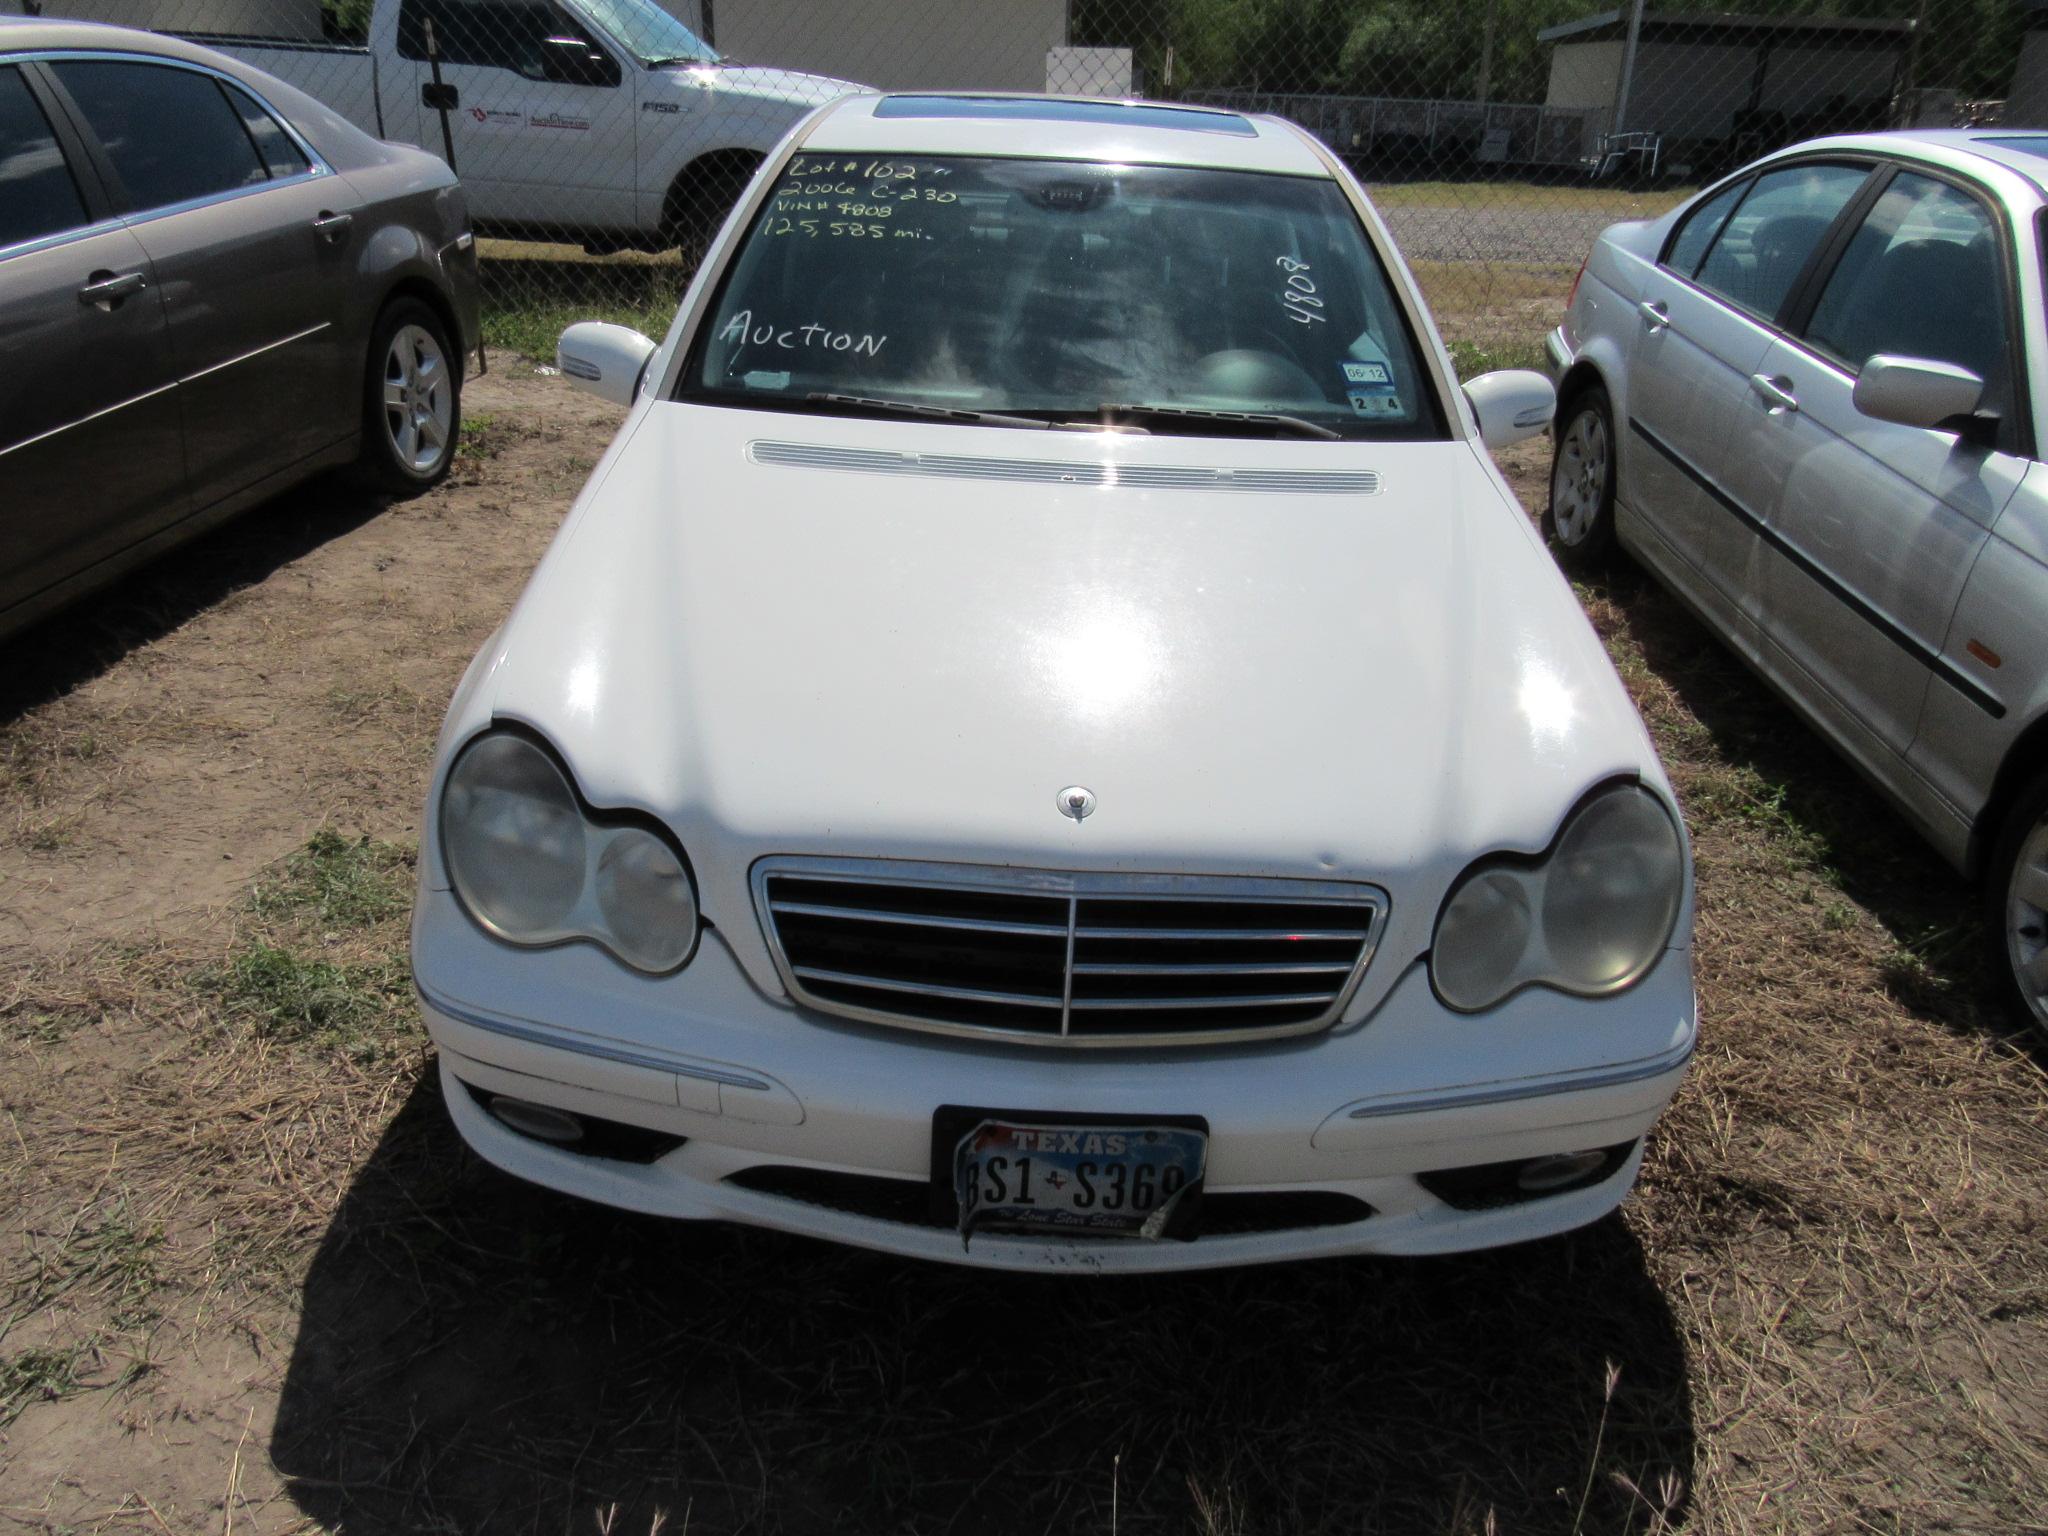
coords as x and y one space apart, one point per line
1150 477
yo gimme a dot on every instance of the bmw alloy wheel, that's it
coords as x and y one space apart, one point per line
419 399
1578 480
2026 921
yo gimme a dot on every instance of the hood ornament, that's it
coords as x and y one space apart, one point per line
1076 801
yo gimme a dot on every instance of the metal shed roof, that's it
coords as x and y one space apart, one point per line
1722 26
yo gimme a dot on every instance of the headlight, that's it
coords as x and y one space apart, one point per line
1588 917
534 867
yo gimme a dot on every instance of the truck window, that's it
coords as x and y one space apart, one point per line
494 34
132 109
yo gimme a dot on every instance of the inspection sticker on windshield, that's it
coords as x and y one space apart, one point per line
1367 373
1060 1177
1376 404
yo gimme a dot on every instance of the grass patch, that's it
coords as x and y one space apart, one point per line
1530 196
37 1376
291 995
337 882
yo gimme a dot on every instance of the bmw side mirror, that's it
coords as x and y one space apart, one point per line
1511 405
1918 392
607 360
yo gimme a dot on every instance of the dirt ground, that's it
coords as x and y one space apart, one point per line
250 1281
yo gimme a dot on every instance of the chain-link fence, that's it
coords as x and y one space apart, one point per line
601 140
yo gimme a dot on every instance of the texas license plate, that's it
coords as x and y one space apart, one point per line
1070 1176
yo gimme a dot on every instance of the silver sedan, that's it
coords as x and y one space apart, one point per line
1813 402
211 287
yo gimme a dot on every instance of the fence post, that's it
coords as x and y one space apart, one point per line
1628 68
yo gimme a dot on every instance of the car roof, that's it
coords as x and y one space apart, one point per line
1064 128
1969 150
33 34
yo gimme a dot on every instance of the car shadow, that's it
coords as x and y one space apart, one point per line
1868 850
477 1354
79 642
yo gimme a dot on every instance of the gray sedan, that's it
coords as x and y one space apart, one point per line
211 287
1814 403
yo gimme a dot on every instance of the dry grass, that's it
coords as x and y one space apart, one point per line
1825 1309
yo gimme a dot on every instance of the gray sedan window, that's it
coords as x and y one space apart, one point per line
1762 249
280 154
170 132
1921 277
1701 225
37 194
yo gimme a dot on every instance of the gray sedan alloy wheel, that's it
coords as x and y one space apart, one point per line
1579 521
2026 922
1578 479
419 399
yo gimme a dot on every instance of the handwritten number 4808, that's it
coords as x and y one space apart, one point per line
1298 298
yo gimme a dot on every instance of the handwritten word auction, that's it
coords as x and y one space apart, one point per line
741 328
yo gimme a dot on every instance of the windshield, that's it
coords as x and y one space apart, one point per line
1055 289
648 32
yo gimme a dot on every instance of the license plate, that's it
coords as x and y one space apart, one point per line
1067 1175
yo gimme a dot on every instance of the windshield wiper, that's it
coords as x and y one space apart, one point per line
883 407
1299 426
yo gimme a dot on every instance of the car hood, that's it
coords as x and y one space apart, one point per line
782 633
786 85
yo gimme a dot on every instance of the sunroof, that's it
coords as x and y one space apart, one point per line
2024 143
1072 109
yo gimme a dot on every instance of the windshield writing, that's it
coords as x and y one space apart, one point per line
1053 289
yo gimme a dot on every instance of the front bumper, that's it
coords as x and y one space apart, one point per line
754 1083
1557 354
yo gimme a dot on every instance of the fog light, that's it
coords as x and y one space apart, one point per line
538 1120
1490 1186
1541 1175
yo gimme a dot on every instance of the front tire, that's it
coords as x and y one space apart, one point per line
1579 522
2016 901
412 400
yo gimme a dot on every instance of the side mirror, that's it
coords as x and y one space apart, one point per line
1918 392
1511 405
607 360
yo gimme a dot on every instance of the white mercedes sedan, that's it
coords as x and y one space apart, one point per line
1046 742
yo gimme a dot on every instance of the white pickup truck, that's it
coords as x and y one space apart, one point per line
606 122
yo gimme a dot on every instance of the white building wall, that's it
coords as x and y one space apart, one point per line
990 45
259 18
1584 74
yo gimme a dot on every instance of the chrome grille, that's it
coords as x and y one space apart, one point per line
1066 959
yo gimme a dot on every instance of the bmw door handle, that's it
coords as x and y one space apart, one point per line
1655 315
333 227
1776 392
106 290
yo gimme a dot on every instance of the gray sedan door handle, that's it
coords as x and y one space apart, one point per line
105 290
1777 392
331 227
1655 315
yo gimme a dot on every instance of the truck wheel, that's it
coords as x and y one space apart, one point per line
2016 904
703 195
412 400
1579 522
